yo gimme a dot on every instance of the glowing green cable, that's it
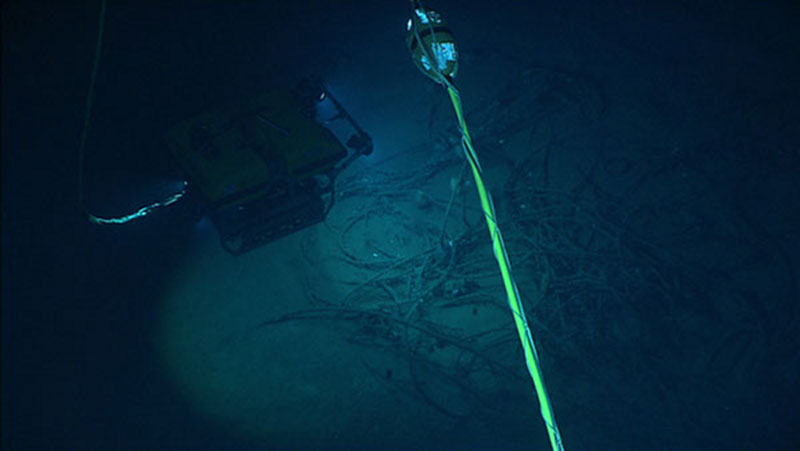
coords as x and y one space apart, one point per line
512 293
499 248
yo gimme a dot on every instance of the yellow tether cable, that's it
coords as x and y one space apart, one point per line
141 212
498 245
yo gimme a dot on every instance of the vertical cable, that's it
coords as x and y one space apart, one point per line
88 108
498 245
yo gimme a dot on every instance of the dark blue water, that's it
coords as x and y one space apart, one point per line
78 301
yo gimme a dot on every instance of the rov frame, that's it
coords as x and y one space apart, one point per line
266 167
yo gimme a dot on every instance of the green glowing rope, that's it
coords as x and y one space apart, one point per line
512 293
499 248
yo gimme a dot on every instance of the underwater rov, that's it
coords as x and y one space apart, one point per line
265 168
434 51
261 169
